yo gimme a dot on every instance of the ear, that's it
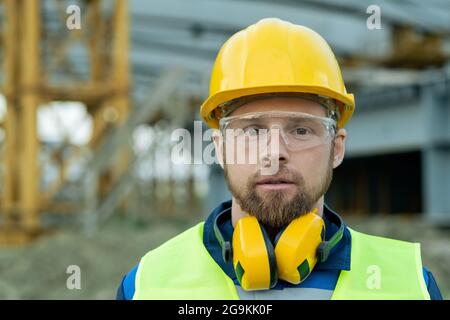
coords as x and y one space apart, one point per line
339 147
217 138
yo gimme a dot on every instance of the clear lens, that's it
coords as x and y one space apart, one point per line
298 130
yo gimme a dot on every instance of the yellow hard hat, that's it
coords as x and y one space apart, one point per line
275 56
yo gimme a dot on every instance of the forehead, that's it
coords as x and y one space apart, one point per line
292 104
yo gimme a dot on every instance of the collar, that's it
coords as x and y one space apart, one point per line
339 258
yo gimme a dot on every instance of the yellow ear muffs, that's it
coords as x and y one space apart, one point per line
253 255
296 247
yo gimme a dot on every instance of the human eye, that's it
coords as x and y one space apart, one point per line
302 131
252 131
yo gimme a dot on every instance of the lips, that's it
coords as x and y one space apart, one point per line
275 180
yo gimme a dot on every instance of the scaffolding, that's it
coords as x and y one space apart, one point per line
32 77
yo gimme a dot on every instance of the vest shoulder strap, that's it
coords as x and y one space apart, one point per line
183 269
382 268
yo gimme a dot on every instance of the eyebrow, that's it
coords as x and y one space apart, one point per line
268 119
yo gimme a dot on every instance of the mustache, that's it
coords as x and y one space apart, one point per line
283 175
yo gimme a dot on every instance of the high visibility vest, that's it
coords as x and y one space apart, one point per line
183 269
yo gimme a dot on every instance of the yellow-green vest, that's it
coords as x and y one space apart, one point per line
183 269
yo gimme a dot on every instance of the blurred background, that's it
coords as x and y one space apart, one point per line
91 92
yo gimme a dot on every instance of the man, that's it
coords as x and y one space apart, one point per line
277 96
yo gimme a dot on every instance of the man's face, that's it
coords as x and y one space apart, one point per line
302 178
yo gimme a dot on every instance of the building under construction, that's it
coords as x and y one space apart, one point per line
134 71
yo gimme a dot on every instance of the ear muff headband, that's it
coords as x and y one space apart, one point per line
227 250
325 247
271 256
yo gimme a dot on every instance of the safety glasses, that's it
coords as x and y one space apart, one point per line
298 130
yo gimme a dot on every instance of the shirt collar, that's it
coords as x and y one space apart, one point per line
339 258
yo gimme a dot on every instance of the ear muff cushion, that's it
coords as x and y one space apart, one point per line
253 255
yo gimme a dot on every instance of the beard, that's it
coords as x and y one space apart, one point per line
277 208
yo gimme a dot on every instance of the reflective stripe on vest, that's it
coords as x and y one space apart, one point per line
183 269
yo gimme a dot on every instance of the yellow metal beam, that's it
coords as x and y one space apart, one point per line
97 26
30 78
10 26
120 78
120 64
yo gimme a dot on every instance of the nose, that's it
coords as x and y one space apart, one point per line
276 151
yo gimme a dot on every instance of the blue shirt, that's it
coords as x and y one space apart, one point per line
323 277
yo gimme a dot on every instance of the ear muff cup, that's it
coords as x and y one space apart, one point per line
253 255
296 247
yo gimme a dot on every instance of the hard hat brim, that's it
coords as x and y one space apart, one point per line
215 100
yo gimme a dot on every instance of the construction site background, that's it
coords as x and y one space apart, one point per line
91 93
